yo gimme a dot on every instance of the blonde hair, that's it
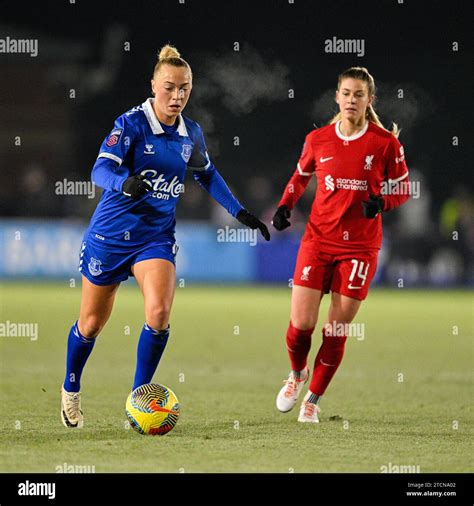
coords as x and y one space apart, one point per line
169 55
362 74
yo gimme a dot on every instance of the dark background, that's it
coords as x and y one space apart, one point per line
244 93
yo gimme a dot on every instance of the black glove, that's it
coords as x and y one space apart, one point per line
373 206
136 186
280 220
250 221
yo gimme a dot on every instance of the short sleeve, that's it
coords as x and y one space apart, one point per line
119 140
396 167
199 159
306 164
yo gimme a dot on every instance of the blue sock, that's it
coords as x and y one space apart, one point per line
151 346
78 350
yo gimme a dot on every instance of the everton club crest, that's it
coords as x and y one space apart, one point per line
186 153
94 266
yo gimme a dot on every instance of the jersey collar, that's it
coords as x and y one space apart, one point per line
155 124
351 137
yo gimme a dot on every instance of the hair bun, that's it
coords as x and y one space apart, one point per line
168 52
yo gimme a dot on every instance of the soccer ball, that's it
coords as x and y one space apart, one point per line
152 409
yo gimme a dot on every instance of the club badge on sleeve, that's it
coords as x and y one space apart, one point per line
114 137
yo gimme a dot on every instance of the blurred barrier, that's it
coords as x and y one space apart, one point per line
201 257
276 259
39 249
49 249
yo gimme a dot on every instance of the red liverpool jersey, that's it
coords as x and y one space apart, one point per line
348 169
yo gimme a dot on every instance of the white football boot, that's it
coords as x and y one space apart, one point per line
71 413
309 411
288 395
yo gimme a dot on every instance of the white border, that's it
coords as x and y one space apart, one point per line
155 126
303 173
351 137
393 181
111 156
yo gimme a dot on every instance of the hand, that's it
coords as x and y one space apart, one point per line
373 206
136 186
280 220
251 221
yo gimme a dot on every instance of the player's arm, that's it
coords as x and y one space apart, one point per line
397 175
296 186
206 174
396 179
109 172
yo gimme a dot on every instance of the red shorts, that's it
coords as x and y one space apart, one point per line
349 274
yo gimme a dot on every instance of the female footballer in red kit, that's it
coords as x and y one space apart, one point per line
353 158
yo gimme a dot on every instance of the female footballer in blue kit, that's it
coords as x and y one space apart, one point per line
141 167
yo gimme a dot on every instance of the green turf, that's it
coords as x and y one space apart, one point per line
229 422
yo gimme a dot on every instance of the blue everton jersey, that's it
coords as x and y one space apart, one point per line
138 144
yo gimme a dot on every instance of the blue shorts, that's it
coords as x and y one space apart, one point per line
104 265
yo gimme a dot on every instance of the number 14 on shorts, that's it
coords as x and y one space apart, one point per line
359 269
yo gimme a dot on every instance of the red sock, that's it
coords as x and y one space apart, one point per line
298 343
331 352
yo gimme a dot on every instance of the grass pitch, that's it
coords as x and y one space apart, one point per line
402 396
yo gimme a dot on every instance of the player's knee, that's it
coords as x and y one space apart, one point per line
303 322
157 317
90 326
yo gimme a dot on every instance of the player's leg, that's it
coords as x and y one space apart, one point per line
350 284
311 281
157 280
342 311
304 314
96 307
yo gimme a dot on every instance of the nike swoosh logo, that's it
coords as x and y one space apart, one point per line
322 160
75 332
324 363
353 287
155 407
